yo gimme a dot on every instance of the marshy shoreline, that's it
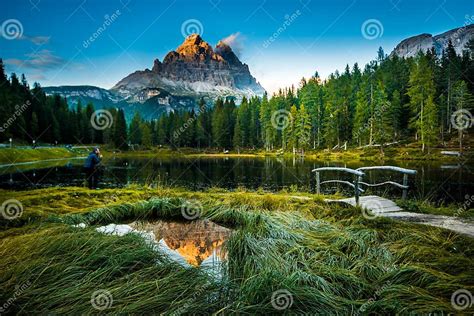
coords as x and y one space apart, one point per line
286 255
11 156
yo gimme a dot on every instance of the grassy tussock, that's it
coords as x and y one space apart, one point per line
331 260
53 202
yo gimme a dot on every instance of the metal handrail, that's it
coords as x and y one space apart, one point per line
349 170
359 173
357 176
390 168
341 181
403 186
398 185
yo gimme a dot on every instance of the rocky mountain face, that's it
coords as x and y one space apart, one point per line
193 69
411 46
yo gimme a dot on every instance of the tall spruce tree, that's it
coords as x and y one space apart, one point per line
421 91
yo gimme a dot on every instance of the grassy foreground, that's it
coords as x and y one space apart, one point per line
286 255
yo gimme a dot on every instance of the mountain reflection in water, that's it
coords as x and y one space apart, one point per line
197 242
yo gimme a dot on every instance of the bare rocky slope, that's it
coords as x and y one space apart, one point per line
459 37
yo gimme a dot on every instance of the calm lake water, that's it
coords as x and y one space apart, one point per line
435 181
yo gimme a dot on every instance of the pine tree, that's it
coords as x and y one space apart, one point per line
380 55
268 131
34 127
428 127
237 139
161 130
303 128
334 110
146 135
463 101
202 126
135 134
420 91
395 115
451 71
360 132
120 130
382 117
290 132
89 134
218 128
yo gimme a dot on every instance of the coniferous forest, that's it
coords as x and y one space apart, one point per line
422 99
237 157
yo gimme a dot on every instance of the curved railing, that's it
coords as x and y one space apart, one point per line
404 185
359 174
355 185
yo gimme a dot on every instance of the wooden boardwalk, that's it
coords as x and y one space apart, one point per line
379 206
374 206
373 203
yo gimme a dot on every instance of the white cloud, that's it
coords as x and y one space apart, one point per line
235 41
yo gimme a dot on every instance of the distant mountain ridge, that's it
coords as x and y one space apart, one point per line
411 46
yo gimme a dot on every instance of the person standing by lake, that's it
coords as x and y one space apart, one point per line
91 168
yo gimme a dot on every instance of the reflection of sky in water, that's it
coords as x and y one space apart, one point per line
192 243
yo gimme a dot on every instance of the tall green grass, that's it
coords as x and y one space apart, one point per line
331 262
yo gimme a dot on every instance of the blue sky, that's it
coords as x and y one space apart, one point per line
307 35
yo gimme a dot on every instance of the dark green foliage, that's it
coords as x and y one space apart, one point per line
29 115
385 102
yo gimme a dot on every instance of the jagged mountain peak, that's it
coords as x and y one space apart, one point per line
194 48
195 69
